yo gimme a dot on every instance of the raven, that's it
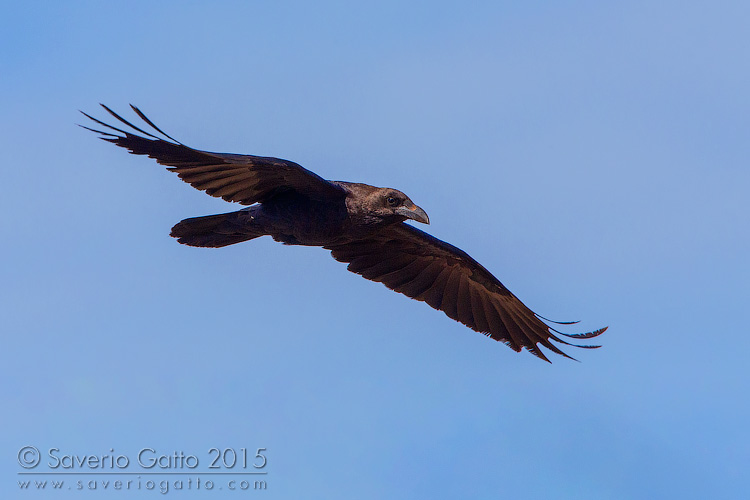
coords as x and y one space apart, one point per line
361 225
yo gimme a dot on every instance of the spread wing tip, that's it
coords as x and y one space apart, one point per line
124 134
556 322
143 117
97 131
587 335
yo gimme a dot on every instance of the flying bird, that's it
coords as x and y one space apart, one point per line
362 225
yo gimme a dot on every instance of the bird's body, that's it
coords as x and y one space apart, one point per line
293 218
360 224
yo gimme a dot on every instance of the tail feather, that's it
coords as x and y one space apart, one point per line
213 230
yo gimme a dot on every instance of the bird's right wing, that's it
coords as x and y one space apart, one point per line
244 179
422 267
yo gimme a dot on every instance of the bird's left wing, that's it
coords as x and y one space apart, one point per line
425 268
245 179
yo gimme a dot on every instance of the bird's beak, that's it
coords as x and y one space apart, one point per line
413 212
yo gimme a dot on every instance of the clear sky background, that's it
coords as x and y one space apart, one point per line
592 155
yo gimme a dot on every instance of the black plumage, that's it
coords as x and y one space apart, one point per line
361 225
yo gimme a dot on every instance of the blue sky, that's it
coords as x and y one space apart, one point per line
594 157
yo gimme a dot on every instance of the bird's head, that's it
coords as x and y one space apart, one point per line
370 205
392 204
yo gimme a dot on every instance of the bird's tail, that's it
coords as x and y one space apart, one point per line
215 230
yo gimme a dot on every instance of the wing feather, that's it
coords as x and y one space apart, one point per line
478 309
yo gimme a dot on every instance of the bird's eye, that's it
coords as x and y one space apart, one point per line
392 201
